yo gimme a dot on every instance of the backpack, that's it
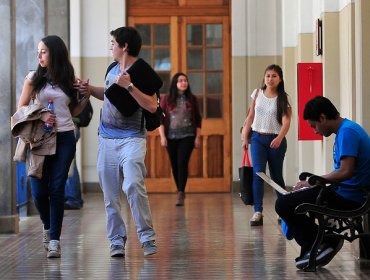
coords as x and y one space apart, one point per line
85 116
152 120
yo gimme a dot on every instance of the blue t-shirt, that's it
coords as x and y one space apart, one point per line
113 124
353 141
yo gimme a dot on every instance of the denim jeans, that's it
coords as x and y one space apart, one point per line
261 155
73 197
117 157
48 192
179 151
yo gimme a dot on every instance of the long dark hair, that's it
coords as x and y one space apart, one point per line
283 106
174 91
59 71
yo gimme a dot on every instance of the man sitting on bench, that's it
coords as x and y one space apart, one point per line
351 154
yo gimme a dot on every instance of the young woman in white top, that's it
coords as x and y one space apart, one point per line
265 127
54 79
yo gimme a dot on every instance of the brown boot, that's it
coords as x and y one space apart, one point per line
180 199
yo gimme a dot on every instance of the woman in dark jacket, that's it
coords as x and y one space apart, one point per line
180 129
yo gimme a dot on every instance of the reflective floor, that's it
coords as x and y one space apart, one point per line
208 238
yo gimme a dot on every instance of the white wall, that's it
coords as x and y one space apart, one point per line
90 26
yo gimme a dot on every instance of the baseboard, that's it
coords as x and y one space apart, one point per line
9 224
235 186
91 188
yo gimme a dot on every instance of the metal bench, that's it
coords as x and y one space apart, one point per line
348 225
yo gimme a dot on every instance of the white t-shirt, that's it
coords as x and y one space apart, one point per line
64 120
265 114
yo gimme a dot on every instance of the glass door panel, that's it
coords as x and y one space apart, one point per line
156 49
205 66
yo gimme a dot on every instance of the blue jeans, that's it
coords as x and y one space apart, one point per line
48 192
117 157
73 197
261 155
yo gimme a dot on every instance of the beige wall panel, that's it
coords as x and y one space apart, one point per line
92 68
305 47
289 66
331 59
365 59
347 63
309 152
239 108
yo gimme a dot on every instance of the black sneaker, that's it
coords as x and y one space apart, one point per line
302 262
150 247
326 258
325 254
118 251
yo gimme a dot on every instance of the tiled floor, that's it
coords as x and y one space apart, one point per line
209 238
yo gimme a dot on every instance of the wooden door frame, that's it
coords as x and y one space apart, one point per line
177 22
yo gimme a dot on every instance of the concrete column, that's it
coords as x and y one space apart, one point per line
8 216
23 24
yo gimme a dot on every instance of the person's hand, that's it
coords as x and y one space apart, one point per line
301 185
83 88
275 143
48 117
123 80
245 141
197 142
163 141
244 138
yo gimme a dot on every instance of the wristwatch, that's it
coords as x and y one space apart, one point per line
130 87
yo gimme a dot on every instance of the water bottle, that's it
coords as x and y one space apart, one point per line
48 127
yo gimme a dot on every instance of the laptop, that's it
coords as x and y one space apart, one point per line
272 183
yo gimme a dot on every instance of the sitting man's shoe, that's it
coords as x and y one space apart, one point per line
325 254
54 249
45 238
257 219
325 258
150 247
118 251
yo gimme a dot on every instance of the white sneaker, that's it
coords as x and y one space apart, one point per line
257 219
54 249
45 238
278 219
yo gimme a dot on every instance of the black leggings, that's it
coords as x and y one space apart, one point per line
179 151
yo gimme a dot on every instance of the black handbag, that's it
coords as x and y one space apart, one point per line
246 180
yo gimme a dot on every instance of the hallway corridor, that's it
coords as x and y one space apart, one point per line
209 238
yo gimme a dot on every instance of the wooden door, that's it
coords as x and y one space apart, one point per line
198 44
